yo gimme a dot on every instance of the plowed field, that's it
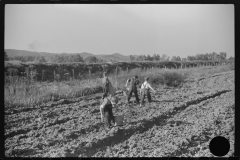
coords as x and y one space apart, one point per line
180 122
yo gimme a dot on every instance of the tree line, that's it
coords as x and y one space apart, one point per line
204 57
70 58
59 58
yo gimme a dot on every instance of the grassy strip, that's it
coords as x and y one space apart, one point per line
20 91
167 77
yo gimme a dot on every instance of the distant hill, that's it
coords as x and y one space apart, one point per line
115 56
14 52
86 54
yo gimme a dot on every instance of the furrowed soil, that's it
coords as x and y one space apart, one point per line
180 122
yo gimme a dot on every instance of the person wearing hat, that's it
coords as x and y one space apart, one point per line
106 111
145 91
134 83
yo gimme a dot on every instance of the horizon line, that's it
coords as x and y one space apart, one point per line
106 54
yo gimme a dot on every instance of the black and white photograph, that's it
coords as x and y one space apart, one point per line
119 80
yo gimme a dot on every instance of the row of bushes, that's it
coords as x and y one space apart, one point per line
48 71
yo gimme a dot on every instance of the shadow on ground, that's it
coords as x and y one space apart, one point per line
123 134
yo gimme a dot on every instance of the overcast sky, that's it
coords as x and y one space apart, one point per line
171 29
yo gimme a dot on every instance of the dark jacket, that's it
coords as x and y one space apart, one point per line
105 90
134 83
107 107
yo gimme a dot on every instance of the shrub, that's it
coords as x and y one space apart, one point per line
232 66
168 78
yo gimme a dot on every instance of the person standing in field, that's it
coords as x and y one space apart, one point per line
126 89
127 84
106 111
134 83
108 89
104 77
145 91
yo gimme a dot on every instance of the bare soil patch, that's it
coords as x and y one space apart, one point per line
180 122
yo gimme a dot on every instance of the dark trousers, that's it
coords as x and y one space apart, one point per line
108 116
146 93
130 95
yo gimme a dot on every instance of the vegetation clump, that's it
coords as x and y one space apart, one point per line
27 91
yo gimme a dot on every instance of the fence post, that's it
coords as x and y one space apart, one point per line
103 67
27 69
175 65
73 73
54 75
42 74
89 74
31 74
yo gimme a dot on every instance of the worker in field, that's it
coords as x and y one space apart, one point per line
108 89
128 84
104 77
145 91
106 111
126 89
134 83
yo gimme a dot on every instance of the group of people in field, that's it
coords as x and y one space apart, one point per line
110 99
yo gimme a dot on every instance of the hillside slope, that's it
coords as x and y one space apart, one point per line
116 57
15 52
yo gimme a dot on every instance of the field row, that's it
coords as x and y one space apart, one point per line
180 122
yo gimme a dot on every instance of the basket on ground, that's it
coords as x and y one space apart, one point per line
119 119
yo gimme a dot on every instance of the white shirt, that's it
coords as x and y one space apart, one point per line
146 85
128 83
